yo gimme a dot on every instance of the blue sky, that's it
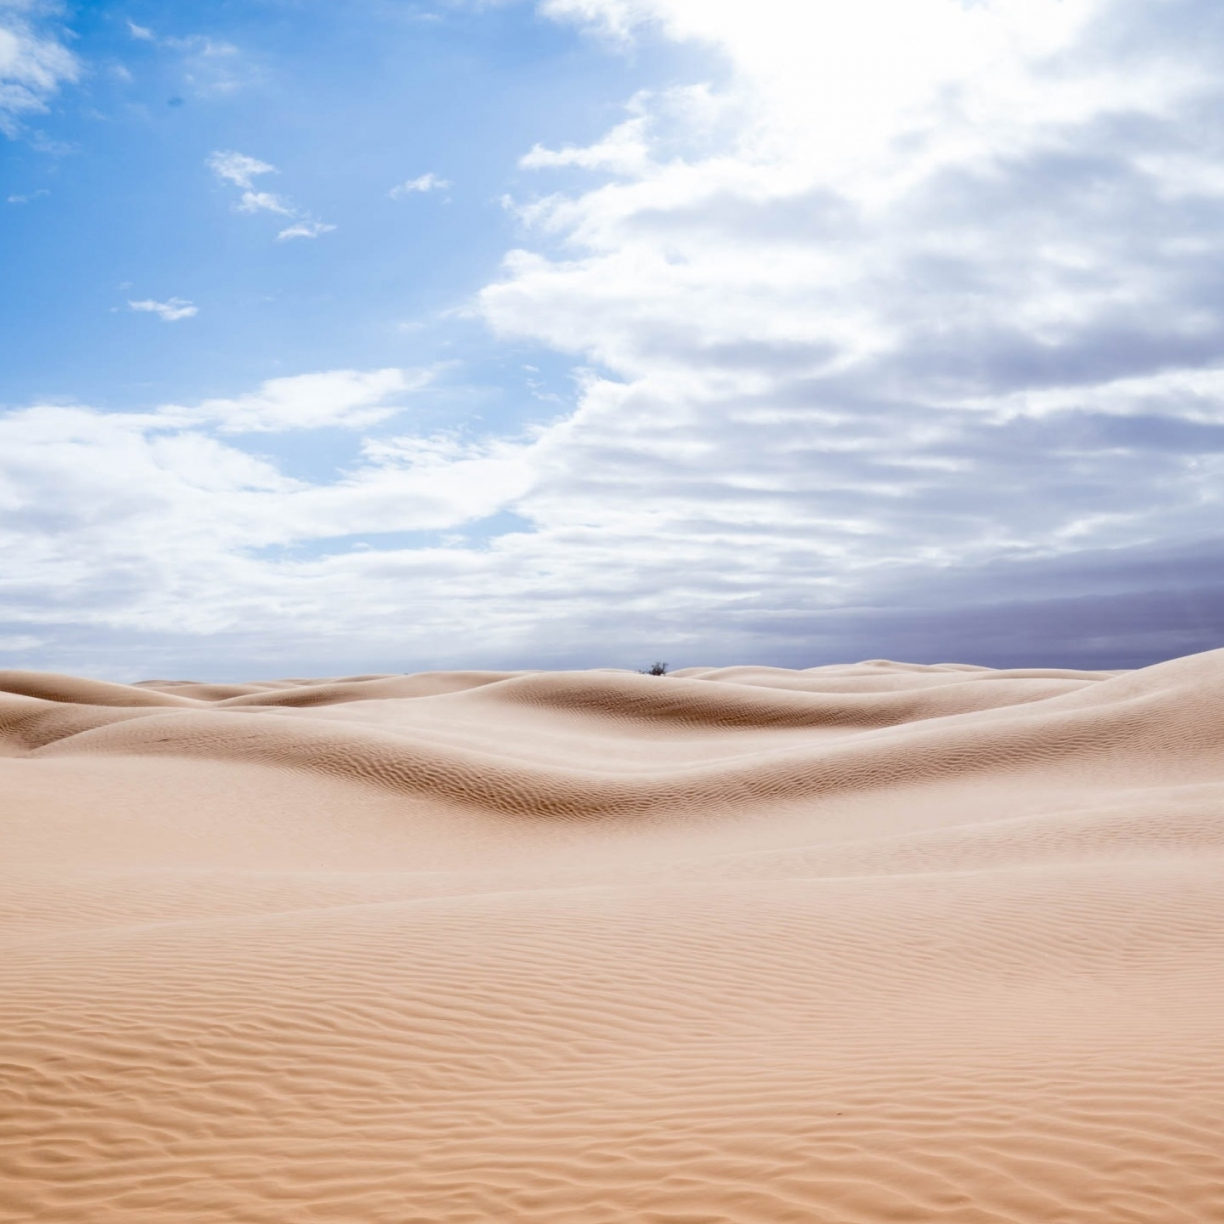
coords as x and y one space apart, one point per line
112 199
396 335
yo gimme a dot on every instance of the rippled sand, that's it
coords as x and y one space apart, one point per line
869 943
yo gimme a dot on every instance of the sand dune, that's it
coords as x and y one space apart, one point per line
867 943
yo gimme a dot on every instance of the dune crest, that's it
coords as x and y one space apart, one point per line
863 943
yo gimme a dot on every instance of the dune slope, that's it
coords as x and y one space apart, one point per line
867 943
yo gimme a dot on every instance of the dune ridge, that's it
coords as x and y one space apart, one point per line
862 943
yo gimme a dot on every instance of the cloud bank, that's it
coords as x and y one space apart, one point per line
903 337
925 289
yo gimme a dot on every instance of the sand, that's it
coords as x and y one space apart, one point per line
870 943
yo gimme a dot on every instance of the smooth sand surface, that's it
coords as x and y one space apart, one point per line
855 944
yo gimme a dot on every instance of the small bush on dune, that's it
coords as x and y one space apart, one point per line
655 669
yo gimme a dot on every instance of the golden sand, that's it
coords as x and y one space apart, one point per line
852 945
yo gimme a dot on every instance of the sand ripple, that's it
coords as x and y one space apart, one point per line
855 944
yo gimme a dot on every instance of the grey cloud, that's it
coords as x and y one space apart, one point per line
1093 632
808 216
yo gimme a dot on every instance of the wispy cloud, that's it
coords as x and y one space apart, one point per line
169 312
303 229
242 171
347 399
210 66
421 185
263 201
28 197
237 168
34 63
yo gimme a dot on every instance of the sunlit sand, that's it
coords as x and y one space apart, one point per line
871 943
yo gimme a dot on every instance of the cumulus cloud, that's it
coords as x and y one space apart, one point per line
934 296
624 150
34 63
422 185
170 311
132 519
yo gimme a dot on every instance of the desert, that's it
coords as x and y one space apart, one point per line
384 385
851 944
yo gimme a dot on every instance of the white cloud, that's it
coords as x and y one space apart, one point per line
33 66
170 311
340 398
242 171
624 150
924 287
28 197
304 229
238 168
423 184
618 18
263 201
163 520
924 207
141 33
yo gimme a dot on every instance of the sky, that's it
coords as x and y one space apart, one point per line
399 335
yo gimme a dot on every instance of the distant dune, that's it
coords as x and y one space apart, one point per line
852 945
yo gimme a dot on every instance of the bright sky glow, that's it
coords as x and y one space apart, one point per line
588 332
